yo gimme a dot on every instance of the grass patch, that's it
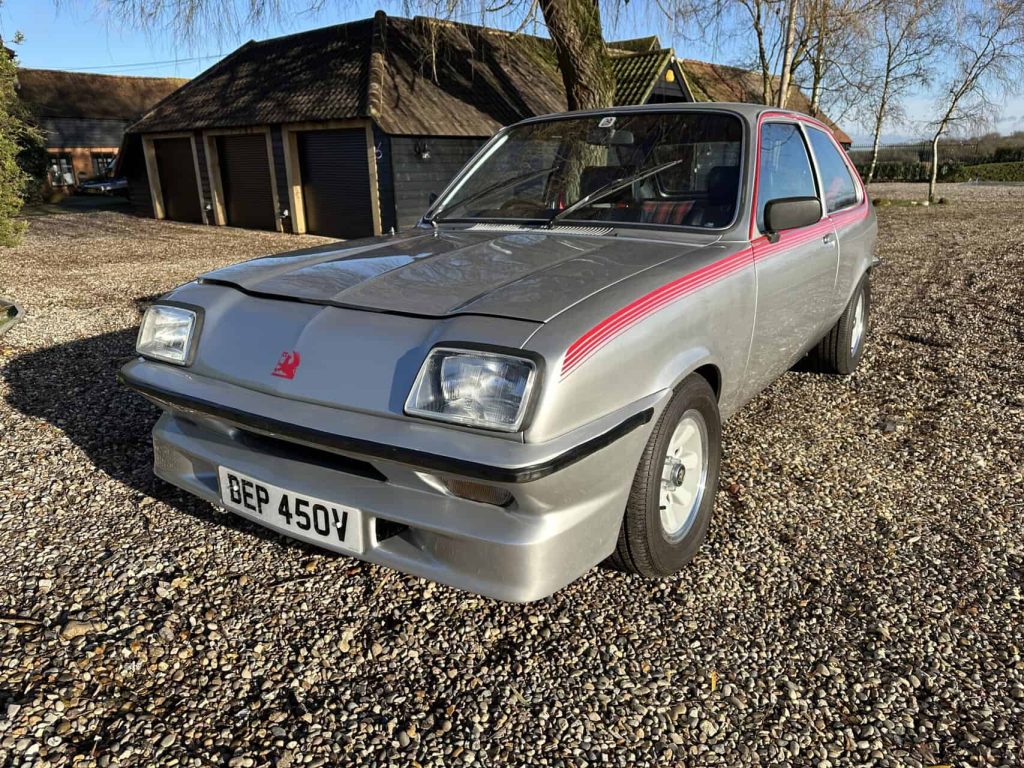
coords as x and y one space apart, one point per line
885 202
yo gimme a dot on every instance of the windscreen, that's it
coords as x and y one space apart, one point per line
669 169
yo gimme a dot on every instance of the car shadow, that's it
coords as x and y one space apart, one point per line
74 387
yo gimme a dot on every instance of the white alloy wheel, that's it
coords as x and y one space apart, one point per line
684 475
857 332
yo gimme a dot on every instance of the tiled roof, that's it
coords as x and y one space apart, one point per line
718 82
414 76
637 73
54 93
456 79
317 75
637 44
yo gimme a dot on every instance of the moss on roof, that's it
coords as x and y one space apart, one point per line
56 93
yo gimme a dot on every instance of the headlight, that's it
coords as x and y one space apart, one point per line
167 333
480 389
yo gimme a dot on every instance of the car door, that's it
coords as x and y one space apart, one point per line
843 201
795 269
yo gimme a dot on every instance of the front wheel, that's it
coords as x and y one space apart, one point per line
669 508
843 346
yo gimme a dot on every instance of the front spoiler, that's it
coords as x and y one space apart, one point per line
565 518
423 459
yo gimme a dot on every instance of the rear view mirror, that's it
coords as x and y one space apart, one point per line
609 137
10 314
791 213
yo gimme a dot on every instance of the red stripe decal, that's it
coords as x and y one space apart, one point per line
637 310
760 248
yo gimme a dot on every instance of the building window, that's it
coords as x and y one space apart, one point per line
61 173
103 163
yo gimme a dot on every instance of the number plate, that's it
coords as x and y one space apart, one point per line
326 523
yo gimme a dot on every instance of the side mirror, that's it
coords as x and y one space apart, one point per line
432 199
790 213
10 314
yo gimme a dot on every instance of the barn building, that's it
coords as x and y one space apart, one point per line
83 116
346 131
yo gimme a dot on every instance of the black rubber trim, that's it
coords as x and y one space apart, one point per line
269 295
421 459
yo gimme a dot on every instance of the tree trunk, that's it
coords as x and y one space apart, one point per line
575 29
762 55
787 55
766 71
934 177
816 86
883 105
874 147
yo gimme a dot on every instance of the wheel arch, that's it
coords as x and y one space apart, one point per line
696 360
713 375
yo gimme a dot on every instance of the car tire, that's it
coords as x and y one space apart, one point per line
843 346
658 538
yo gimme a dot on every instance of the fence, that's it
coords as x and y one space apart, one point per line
913 162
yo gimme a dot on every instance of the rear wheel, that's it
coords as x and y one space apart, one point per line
669 507
843 346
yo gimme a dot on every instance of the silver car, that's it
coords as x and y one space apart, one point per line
534 379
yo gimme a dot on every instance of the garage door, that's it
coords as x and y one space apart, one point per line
177 170
245 180
336 182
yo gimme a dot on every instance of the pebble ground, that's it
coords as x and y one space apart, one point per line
858 603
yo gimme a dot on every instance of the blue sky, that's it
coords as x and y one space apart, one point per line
77 36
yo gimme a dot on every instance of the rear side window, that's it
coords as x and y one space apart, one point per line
785 167
840 190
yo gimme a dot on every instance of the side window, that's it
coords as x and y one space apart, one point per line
840 189
785 168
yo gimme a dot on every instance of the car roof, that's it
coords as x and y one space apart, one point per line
748 111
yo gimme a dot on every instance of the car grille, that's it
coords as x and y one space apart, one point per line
285 449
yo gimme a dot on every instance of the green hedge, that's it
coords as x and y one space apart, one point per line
890 170
1008 155
948 171
992 172
909 171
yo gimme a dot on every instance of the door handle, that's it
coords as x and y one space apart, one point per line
829 238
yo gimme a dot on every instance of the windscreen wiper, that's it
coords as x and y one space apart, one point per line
520 179
611 188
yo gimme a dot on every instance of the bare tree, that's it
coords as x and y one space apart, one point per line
788 39
909 32
837 34
774 39
988 56
788 54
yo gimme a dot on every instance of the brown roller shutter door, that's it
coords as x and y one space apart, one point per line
246 182
177 171
336 182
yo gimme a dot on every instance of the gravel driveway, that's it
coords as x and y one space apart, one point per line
859 601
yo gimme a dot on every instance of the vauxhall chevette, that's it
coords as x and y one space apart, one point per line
532 380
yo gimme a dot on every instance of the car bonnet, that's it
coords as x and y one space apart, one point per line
529 274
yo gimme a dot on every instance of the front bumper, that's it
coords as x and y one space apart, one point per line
569 495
